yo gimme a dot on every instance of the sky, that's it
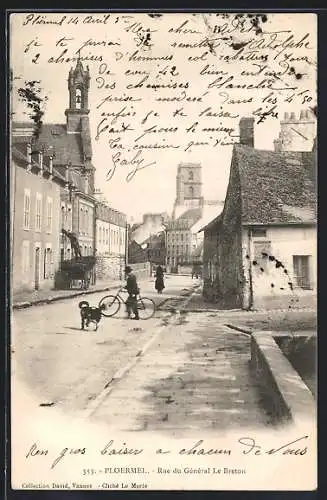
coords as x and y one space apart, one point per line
114 39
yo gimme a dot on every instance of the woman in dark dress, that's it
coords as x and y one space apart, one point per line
159 285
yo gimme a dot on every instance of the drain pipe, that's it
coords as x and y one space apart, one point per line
250 269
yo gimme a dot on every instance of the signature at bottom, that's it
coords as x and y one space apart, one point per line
137 164
291 448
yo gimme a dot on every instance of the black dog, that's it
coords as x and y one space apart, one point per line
89 314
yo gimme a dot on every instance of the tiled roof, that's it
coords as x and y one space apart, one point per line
276 187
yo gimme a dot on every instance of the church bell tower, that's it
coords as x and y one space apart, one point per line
188 188
78 86
78 120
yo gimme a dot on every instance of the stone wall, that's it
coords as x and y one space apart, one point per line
272 279
284 393
222 253
110 267
142 270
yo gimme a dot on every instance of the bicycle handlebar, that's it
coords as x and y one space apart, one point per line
123 289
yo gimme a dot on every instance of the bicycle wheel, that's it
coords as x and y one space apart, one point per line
109 305
146 308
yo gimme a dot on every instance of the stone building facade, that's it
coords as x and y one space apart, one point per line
191 211
181 240
111 242
297 133
35 218
261 251
188 188
69 145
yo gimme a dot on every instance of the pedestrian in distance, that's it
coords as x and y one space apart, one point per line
159 283
133 291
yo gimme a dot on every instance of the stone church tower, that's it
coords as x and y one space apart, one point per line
188 188
296 134
77 115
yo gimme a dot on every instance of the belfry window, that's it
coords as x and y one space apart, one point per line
78 99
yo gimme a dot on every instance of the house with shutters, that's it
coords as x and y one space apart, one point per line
68 145
35 220
261 251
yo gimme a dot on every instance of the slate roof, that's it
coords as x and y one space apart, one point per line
276 187
144 231
212 223
192 214
67 148
22 159
53 137
186 220
208 213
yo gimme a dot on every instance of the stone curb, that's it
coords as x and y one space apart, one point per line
289 397
245 311
49 300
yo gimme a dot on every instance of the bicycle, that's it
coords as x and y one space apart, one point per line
111 304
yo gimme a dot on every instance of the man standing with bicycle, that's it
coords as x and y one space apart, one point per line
133 290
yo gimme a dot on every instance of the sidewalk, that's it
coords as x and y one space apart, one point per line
247 321
27 299
199 304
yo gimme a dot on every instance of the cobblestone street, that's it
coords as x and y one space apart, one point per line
196 376
177 371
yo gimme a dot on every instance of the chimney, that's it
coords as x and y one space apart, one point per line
247 132
286 116
303 114
292 117
277 145
29 157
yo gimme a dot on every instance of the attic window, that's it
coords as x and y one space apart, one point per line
259 233
54 132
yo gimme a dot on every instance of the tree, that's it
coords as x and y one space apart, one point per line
30 94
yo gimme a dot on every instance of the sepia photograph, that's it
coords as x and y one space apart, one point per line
163 250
